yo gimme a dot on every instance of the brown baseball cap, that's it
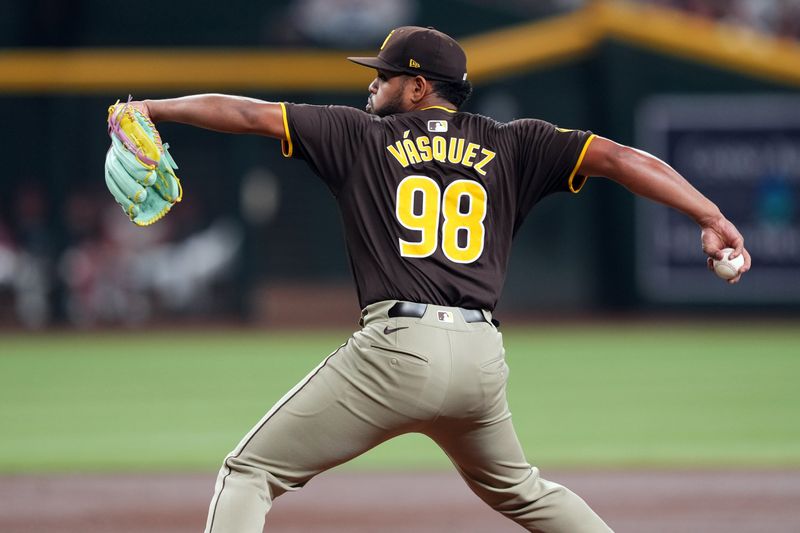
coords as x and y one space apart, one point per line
419 51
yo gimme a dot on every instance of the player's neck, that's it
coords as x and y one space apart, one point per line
433 101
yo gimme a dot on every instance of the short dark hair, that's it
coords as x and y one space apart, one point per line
455 92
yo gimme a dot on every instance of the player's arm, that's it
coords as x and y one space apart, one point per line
648 176
219 112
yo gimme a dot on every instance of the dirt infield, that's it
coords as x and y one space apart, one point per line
339 502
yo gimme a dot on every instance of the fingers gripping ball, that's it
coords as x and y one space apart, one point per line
727 268
139 171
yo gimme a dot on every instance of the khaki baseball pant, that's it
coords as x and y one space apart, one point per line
436 375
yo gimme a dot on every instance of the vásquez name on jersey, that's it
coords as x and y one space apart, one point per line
455 150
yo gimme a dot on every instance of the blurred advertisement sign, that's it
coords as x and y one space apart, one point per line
743 152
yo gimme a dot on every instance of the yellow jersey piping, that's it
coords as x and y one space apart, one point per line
287 148
578 166
439 107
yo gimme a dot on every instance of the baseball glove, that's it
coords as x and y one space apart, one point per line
140 173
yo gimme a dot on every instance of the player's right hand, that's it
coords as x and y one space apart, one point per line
719 233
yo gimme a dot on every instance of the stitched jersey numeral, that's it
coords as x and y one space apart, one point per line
462 207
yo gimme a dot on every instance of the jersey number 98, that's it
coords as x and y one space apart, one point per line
463 208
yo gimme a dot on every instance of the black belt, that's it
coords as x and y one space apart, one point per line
415 310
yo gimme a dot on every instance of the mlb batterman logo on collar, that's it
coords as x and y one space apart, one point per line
420 51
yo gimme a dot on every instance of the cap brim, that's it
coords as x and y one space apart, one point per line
378 63
374 62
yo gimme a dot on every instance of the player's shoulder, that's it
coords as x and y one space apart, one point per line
511 126
333 111
465 117
508 132
527 123
352 113
530 129
463 121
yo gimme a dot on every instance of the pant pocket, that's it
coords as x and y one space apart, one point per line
406 355
495 366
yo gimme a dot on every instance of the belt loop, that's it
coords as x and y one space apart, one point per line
487 316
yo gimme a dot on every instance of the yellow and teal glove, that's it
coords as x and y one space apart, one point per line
140 173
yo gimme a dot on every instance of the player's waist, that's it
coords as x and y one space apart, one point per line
436 314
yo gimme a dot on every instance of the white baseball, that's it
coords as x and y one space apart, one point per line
728 268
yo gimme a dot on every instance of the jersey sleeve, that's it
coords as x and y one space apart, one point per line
548 160
328 138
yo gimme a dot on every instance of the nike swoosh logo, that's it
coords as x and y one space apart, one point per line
388 330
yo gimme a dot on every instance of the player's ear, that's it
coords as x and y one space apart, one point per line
419 88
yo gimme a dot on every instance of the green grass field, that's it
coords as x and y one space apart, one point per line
612 395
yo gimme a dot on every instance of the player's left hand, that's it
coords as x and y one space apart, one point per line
140 173
718 233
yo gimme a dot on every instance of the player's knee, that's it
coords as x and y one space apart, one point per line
531 495
258 473
239 465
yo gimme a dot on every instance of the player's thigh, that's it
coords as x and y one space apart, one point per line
485 454
322 422
490 459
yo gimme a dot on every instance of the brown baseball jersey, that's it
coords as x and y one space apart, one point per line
431 199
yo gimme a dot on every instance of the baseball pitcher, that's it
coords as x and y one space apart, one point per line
431 199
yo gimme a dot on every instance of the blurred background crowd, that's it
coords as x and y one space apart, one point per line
777 17
338 23
253 225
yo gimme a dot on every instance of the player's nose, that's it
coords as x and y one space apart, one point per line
373 86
